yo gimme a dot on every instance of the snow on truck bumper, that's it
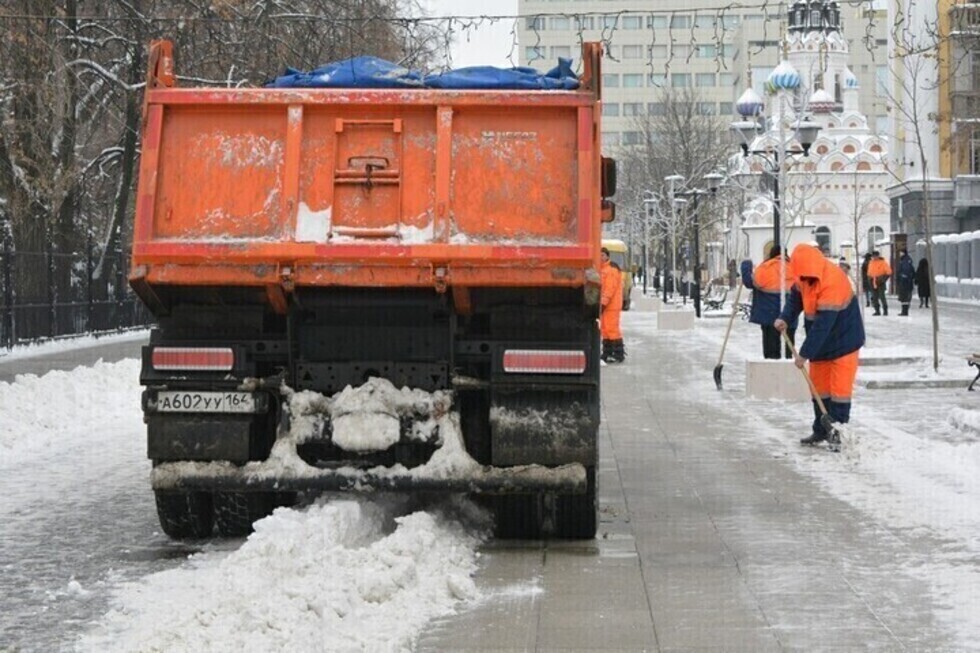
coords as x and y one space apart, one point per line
367 419
262 476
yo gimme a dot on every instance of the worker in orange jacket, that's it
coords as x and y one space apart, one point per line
878 273
767 292
834 332
611 287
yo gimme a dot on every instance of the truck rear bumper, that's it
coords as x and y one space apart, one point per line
260 477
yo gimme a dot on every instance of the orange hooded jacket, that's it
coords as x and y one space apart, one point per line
823 293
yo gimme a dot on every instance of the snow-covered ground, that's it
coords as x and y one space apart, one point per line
911 462
84 567
341 574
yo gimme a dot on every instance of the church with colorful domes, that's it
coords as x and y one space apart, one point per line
836 195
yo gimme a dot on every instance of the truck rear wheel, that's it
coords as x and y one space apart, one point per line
576 515
185 515
235 512
517 516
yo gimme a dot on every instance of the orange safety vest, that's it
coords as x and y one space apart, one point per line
878 271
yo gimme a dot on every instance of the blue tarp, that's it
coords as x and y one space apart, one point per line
371 72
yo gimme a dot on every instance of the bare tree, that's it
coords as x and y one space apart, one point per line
915 57
71 85
674 137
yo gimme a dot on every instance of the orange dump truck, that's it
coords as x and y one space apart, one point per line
316 256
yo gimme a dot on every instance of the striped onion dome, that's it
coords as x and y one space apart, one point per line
784 77
821 101
749 104
849 79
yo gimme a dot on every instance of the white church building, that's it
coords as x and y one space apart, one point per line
835 196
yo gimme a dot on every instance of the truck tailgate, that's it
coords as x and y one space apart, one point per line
367 187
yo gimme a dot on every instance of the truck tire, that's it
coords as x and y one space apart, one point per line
576 515
185 515
235 512
517 516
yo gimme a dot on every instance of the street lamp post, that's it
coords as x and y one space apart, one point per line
806 132
713 181
649 213
671 181
746 131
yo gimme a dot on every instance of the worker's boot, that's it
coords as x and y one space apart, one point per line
819 433
813 439
606 355
619 351
905 309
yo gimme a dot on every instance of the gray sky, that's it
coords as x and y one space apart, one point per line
486 45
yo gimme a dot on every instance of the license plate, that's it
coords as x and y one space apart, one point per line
175 401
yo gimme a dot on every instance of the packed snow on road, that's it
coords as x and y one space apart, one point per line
911 457
85 567
346 573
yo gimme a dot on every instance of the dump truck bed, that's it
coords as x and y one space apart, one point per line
356 187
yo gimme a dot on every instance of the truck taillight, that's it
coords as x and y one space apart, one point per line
204 359
543 361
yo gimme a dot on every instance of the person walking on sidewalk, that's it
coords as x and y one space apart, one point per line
905 280
865 282
611 291
878 273
834 333
766 293
922 283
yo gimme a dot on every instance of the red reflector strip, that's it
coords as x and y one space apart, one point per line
543 361
193 358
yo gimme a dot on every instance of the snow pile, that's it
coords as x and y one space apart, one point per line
343 575
967 421
367 418
37 413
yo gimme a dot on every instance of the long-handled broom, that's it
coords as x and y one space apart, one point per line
731 320
826 421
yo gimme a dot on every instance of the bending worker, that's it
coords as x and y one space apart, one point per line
611 288
766 292
834 332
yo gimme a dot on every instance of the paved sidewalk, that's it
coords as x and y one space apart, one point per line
711 539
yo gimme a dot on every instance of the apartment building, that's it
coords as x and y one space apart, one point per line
655 44
940 92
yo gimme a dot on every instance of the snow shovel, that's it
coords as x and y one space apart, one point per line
731 320
826 421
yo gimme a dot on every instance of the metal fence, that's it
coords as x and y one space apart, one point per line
45 295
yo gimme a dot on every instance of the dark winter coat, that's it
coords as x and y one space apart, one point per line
922 279
905 278
766 290
865 283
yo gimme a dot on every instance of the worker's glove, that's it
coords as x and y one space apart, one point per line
780 325
799 361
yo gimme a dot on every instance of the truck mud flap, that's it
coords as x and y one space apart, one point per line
545 427
221 476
